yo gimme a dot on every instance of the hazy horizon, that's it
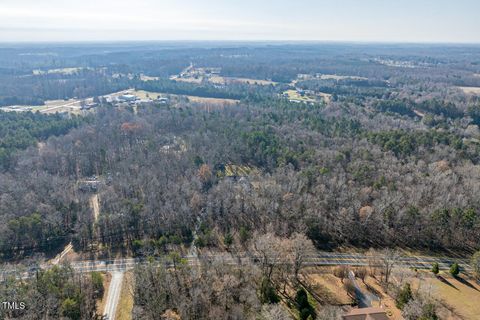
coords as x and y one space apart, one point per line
368 21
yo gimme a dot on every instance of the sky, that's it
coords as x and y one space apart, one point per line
443 21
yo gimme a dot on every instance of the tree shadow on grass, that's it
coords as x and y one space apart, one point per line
374 291
442 279
465 282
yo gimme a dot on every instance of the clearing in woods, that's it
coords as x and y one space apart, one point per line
95 204
142 94
295 96
470 90
229 80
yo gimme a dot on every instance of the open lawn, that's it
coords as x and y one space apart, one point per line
327 287
460 296
331 290
387 302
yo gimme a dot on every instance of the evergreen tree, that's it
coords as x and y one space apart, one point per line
435 268
475 261
455 269
267 292
404 296
305 309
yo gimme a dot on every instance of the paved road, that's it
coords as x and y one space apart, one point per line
118 266
113 295
314 259
320 259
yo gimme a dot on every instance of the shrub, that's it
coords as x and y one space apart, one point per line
267 292
404 296
455 269
305 309
435 268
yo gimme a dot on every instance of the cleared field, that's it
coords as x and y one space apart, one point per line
142 94
66 71
470 90
229 80
148 78
232 170
213 101
293 95
326 96
72 106
338 77
189 79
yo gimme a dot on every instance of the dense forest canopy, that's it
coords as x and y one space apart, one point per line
266 152
372 162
